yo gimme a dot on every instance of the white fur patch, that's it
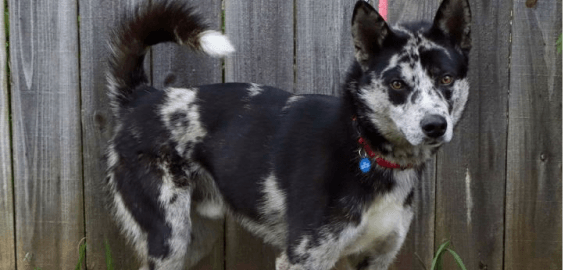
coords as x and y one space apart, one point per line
386 216
211 209
215 44
177 214
274 197
290 102
255 89
272 226
329 249
211 205
181 102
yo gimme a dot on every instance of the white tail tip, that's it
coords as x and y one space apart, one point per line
215 44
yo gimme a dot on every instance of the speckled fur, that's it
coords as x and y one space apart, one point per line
284 166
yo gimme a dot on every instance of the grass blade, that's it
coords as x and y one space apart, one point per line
81 256
109 259
437 262
457 259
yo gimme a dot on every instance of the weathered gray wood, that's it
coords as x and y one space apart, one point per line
245 251
97 19
410 11
323 45
262 33
7 250
533 197
418 249
173 65
471 169
46 133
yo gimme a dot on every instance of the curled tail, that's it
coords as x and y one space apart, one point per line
162 21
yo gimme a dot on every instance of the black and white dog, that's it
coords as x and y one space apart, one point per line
322 178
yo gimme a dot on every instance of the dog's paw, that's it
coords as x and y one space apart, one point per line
215 44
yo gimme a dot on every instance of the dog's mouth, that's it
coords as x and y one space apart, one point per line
434 142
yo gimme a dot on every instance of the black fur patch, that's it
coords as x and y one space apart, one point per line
410 199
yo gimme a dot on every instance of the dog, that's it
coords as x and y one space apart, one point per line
321 178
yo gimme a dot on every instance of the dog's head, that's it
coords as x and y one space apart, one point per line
413 84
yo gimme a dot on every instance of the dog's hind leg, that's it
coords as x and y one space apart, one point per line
172 238
162 243
152 204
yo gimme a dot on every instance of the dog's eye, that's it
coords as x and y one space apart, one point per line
447 80
397 85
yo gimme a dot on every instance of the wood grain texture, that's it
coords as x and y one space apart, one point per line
418 249
262 33
471 170
324 49
533 203
97 19
7 250
46 133
177 66
411 11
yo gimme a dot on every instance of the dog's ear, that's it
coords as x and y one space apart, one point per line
453 21
369 31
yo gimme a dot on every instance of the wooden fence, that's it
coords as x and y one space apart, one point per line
495 190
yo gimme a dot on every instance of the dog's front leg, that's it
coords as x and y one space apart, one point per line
304 253
382 254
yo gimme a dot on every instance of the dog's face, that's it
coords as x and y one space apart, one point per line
414 84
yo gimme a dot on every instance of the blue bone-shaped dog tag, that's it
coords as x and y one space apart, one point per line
365 165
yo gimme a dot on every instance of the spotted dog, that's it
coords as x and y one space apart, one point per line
322 178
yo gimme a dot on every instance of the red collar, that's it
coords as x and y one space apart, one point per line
378 159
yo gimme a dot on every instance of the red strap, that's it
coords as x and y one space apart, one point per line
363 142
380 161
384 163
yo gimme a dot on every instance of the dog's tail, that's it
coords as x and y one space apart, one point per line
161 21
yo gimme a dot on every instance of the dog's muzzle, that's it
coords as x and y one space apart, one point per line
434 126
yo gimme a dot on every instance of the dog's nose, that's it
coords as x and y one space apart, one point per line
434 125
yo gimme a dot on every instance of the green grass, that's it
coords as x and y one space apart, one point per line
437 262
81 256
559 45
109 259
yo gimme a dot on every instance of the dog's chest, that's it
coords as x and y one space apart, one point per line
386 218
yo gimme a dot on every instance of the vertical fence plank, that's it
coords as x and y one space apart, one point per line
97 19
418 250
323 45
7 249
46 133
173 65
533 212
471 169
262 33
